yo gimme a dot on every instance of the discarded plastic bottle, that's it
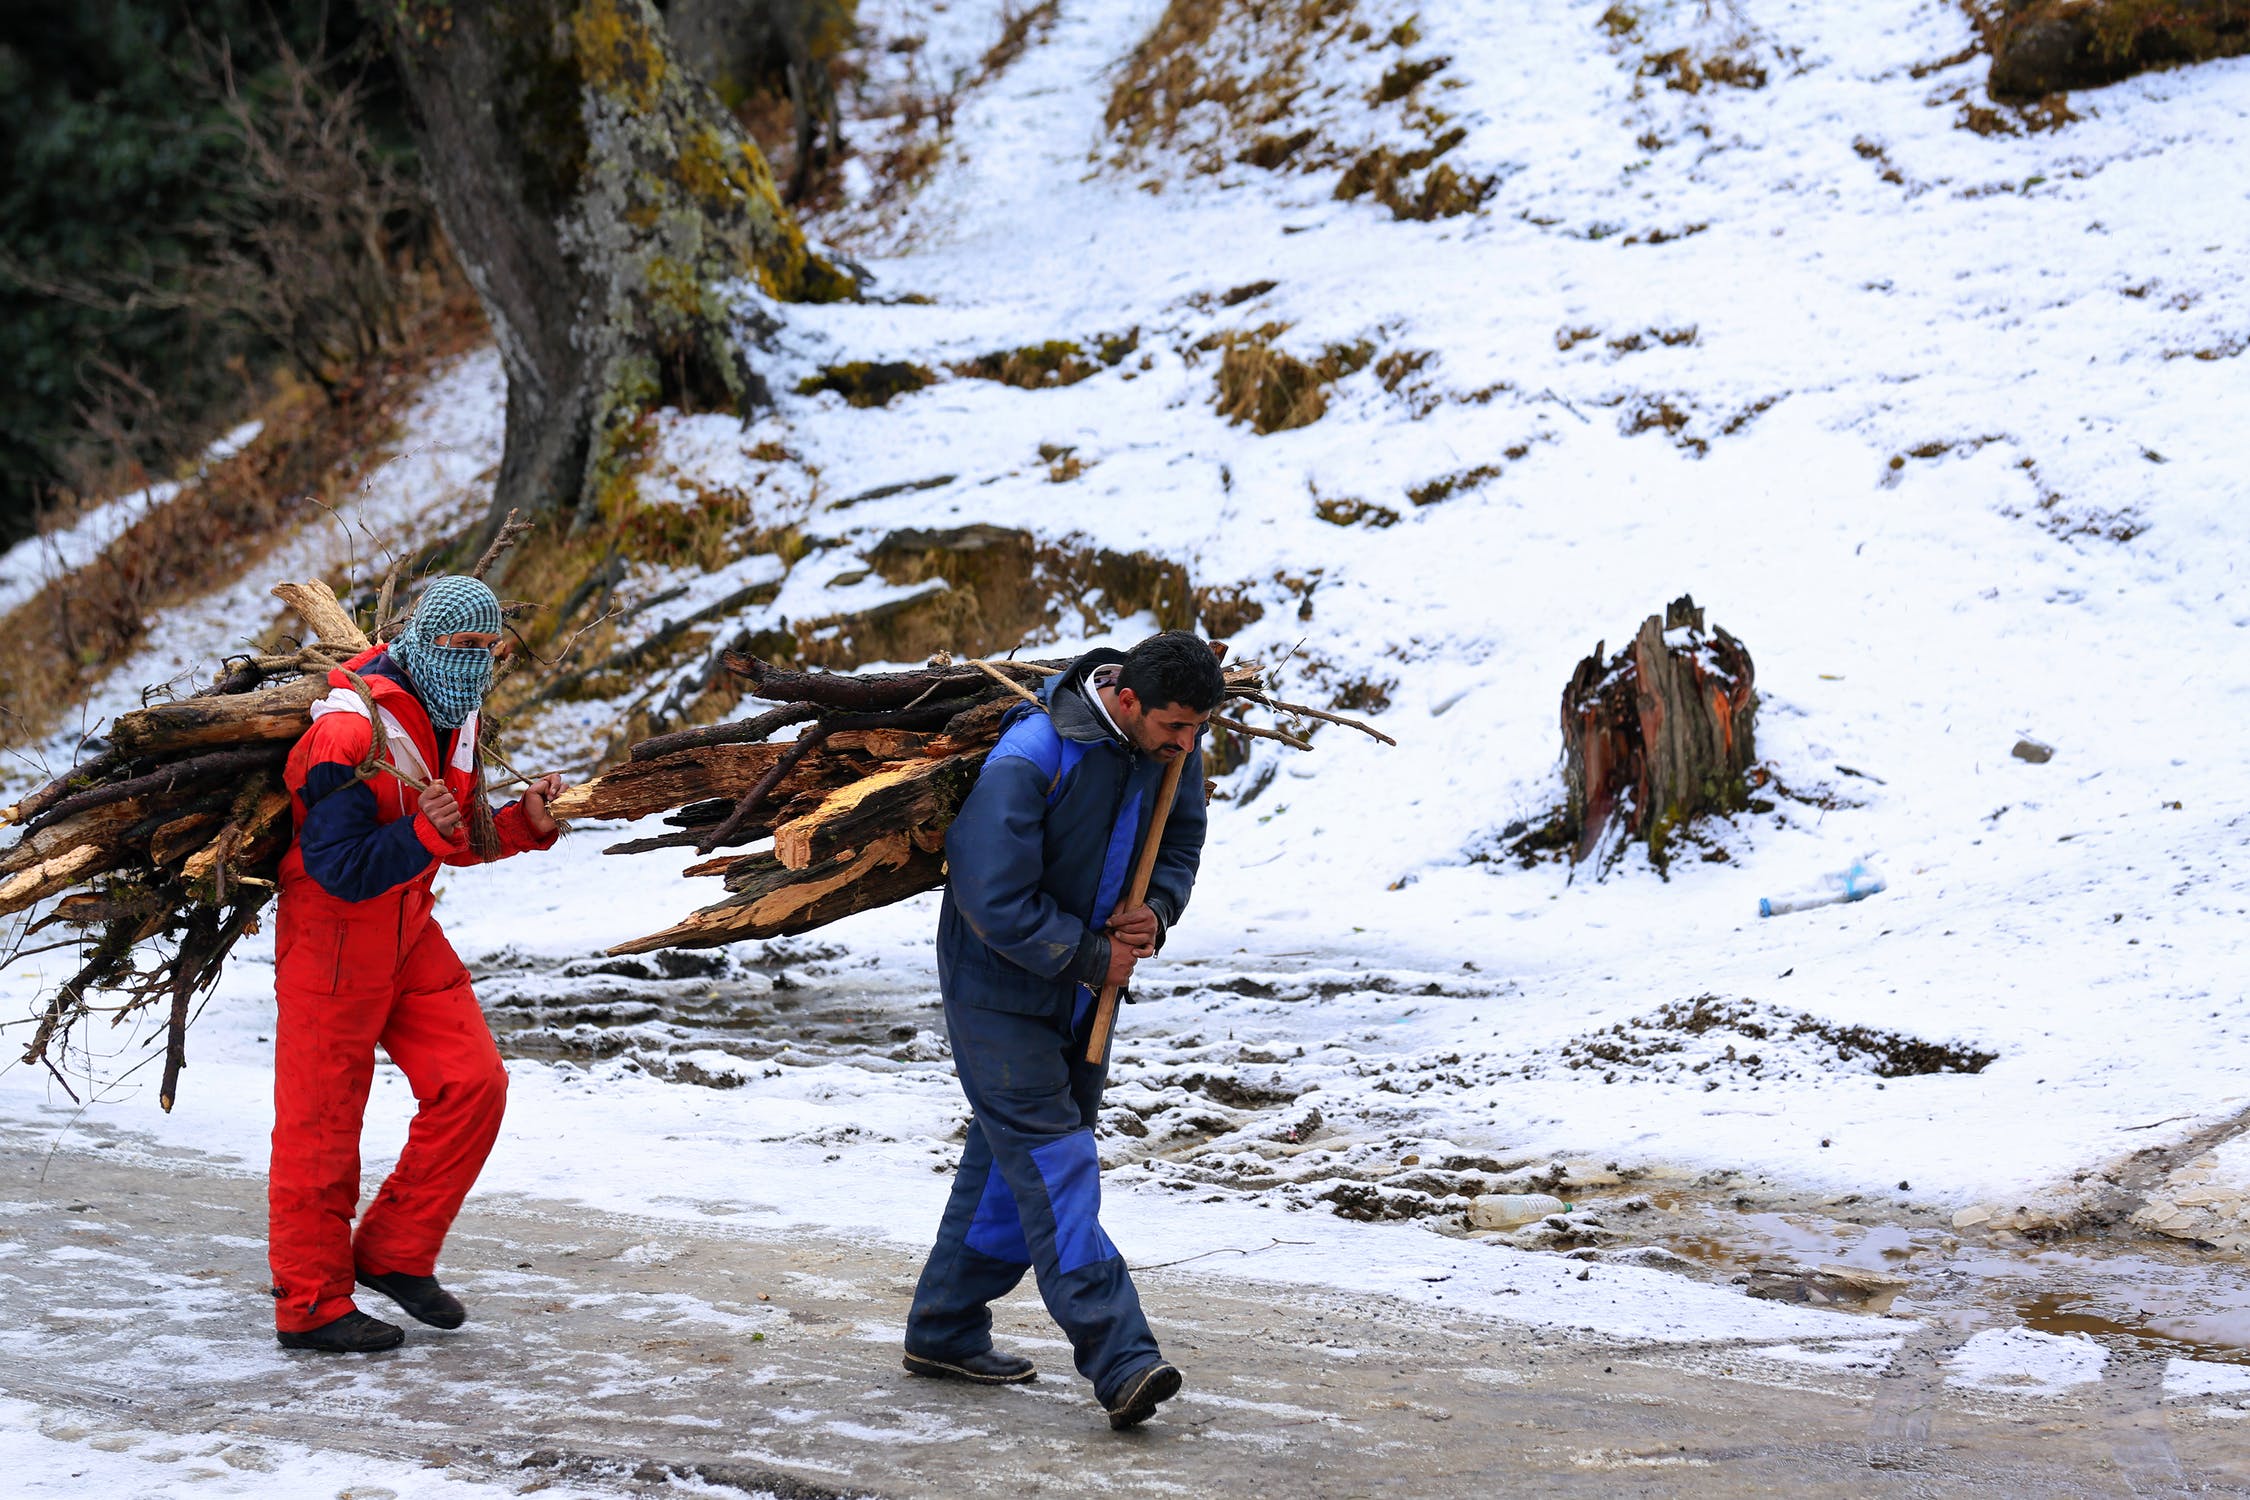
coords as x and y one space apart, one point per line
1512 1210
1854 884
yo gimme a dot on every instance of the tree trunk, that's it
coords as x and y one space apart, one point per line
747 47
602 202
1657 734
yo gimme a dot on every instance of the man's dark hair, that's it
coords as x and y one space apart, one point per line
1175 667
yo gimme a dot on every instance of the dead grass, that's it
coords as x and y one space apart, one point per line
1250 65
1446 486
313 451
865 383
1018 30
1273 390
1058 362
1338 510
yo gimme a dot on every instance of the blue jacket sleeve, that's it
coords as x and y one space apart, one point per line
352 855
1181 853
996 854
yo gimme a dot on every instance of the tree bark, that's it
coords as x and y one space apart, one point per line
603 204
1657 734
745 47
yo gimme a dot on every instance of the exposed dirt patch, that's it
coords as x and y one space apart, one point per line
1710 1039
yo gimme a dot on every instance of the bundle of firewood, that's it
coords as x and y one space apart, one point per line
167 841
165 845
856 805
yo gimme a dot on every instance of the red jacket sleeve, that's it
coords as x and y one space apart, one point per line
516 837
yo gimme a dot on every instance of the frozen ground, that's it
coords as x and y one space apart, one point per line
1944 449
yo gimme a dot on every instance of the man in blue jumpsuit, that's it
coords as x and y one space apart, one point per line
1038 861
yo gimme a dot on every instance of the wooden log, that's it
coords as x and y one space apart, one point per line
743 732
640 787
96 825
316 604
219 770
266 812
1657 734
50 876
92 909
275 713
182 836
77 779
881 744
778 902
909 795
869 692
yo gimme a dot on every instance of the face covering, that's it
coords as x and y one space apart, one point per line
450 680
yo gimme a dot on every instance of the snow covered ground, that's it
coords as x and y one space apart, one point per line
1926 416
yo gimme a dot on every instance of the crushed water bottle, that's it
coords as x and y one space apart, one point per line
1513 1210
1854 884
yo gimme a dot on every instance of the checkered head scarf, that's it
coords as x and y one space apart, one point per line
450 680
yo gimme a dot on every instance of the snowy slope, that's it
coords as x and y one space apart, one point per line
1949 464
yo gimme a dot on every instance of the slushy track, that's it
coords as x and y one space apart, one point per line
616 1353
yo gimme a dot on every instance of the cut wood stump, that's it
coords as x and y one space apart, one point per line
1657 734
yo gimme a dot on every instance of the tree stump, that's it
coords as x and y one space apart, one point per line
1656 734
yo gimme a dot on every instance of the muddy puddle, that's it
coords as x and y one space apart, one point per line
2124 1290
1222 1118
798 1006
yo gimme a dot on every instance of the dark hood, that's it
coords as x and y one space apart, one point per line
1075 718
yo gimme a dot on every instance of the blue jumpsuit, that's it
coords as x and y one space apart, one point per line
1037 860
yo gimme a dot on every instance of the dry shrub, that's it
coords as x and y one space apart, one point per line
1338 510
1225 611
1062 461
1173 74
1058 362
313 452
1657 413
1275 391
1252 81
864 383
1686 71
1446 486
1018 29
1386 175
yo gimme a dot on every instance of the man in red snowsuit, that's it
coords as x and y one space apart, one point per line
359 961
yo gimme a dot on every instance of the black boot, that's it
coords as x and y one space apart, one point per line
353 1333
990 1367
1142 1393
419 1295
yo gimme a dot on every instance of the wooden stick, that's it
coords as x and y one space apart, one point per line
798 749
1105 1008
1255 732
315 604
1322 714
993 672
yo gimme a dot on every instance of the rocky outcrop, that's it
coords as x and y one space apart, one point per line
2042 47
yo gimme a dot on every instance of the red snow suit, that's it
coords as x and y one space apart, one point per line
358 960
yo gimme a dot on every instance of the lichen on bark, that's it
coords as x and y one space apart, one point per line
611 215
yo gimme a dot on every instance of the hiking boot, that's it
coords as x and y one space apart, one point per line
988 1367
353 1333
420 1296
1141 1394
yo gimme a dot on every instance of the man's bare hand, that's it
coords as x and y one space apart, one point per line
1135 927
535 799
442 810
1121 961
